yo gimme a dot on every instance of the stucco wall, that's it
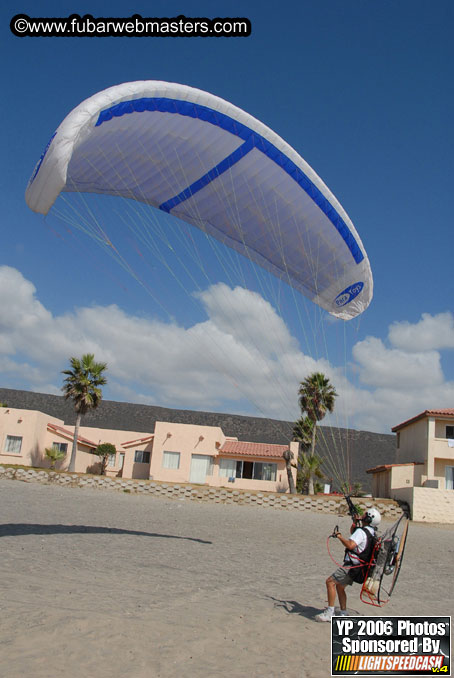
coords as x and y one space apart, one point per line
427 504
440 448
408 475
32 428
440 427
440 471
413 441
118 438
401 476
191 440
187 440
381 484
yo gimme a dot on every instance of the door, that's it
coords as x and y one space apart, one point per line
200 468
121 462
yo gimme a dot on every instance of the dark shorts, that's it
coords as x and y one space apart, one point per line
342 576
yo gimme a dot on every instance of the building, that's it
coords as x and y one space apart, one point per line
173 452
342 448
423 474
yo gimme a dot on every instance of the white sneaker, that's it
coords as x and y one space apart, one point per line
324 616
342 613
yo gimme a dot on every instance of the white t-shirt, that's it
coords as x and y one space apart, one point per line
360 540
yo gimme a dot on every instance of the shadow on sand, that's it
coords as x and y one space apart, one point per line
24 529
293 607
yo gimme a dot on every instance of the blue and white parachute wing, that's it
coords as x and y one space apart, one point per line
205 161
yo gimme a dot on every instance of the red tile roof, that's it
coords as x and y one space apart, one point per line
385 467
70 434
448 412
252 449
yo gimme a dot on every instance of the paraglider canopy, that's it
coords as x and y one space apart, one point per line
203 160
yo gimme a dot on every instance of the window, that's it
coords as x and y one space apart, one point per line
61 447
171 460
13 444
265 471
227 468
142 457
111 459
449 477
232 468
269 472
247 469
450 432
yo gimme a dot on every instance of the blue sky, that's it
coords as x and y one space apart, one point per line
362 91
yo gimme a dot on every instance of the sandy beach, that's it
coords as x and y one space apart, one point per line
101 584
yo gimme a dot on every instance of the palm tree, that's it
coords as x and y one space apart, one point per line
357 489
316 398
82 386
54 454
302 433
309 467
105 450
288 456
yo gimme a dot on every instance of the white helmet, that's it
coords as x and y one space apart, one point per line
372 517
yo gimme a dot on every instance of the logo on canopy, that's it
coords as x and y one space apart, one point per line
350 292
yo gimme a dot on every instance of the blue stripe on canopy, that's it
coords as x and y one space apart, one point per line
252 140
216 171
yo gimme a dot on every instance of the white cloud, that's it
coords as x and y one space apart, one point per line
202 367
241 357
400 383
394 368
22 370
246 314
431 332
